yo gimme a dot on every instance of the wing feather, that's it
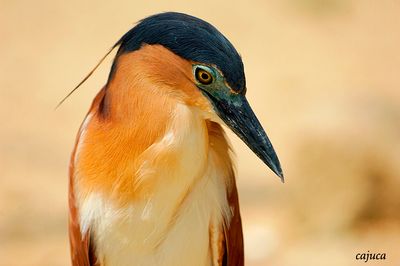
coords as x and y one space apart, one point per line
82 248
234 249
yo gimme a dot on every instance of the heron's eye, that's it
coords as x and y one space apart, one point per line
203 76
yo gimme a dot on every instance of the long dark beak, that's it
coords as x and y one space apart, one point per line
238 115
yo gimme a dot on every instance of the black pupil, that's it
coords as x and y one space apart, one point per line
205 76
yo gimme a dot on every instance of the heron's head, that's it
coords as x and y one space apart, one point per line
190 59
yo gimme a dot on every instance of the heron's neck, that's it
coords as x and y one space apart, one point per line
154 142
152 195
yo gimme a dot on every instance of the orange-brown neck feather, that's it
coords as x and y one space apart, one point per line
129 115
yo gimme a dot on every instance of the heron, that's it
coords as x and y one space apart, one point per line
152 180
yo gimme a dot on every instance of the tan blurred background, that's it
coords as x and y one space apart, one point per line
323 77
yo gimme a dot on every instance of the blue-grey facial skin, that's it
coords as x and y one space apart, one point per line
232 107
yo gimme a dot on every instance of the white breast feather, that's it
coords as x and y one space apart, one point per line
146 232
